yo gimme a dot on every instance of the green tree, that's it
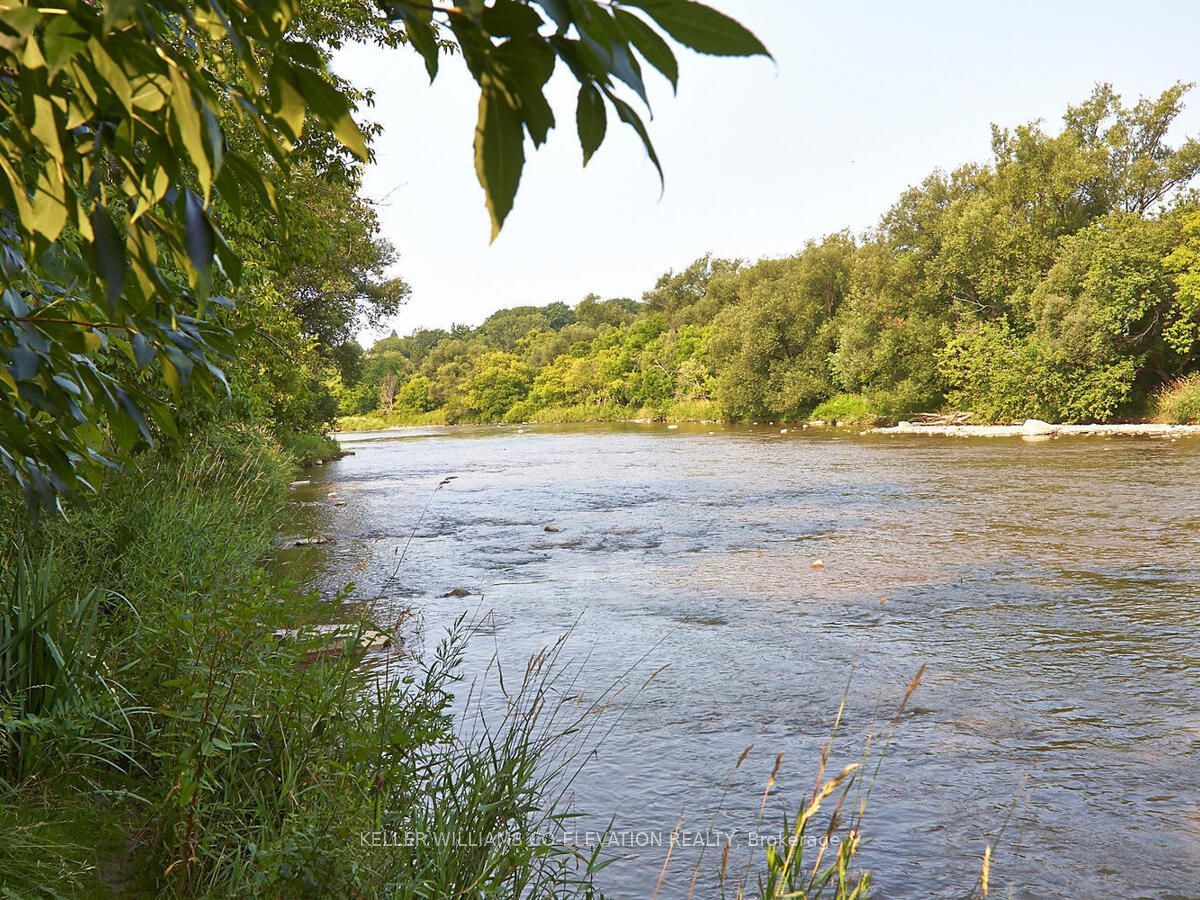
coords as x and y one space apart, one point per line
772 347
499 382
1182 332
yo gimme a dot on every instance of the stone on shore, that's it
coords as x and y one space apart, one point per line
1037 427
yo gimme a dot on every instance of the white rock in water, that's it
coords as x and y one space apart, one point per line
672 426
1037 426
783 431
302 483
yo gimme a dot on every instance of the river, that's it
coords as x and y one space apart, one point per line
1052 589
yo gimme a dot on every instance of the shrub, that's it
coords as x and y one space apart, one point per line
1178 401
307 448
1001 376
847 409
692 411
395 419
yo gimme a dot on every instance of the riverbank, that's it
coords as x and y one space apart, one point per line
1036 429
1032 429
176 719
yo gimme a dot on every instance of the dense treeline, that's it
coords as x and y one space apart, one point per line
1060 281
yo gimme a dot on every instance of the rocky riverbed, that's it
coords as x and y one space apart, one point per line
1036 428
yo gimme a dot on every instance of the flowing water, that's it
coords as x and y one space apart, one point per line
1053 588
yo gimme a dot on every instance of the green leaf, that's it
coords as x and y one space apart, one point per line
62 40
629 116
187 122
499 154
24 363
421 35
109 252
21 19
45 127
508 18
143 352
591 120
286 101
701 27
650 44
521 67
201 242
118 11
48 211
333 108
112 74
603 37
559 11
170 375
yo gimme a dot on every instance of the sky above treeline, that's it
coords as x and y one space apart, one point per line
863 100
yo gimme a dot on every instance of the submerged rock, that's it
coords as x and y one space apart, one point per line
313 541
457 592
337 637
552 529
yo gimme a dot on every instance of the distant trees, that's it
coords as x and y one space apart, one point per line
1061 280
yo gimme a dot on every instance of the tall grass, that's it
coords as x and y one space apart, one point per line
1178 402
144 654
848 409
47 662
398 418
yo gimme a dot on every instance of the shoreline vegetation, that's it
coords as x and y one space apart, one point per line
1059 281
1031 429
187 727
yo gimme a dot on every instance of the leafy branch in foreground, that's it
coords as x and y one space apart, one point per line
511 50
116 167
113 154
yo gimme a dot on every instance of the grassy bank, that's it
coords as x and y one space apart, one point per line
683 411
378 421
157 738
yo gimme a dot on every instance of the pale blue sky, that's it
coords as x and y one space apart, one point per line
864 99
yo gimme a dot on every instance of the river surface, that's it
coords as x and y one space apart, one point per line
1052 588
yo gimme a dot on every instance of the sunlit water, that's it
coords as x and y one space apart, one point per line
1053 589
